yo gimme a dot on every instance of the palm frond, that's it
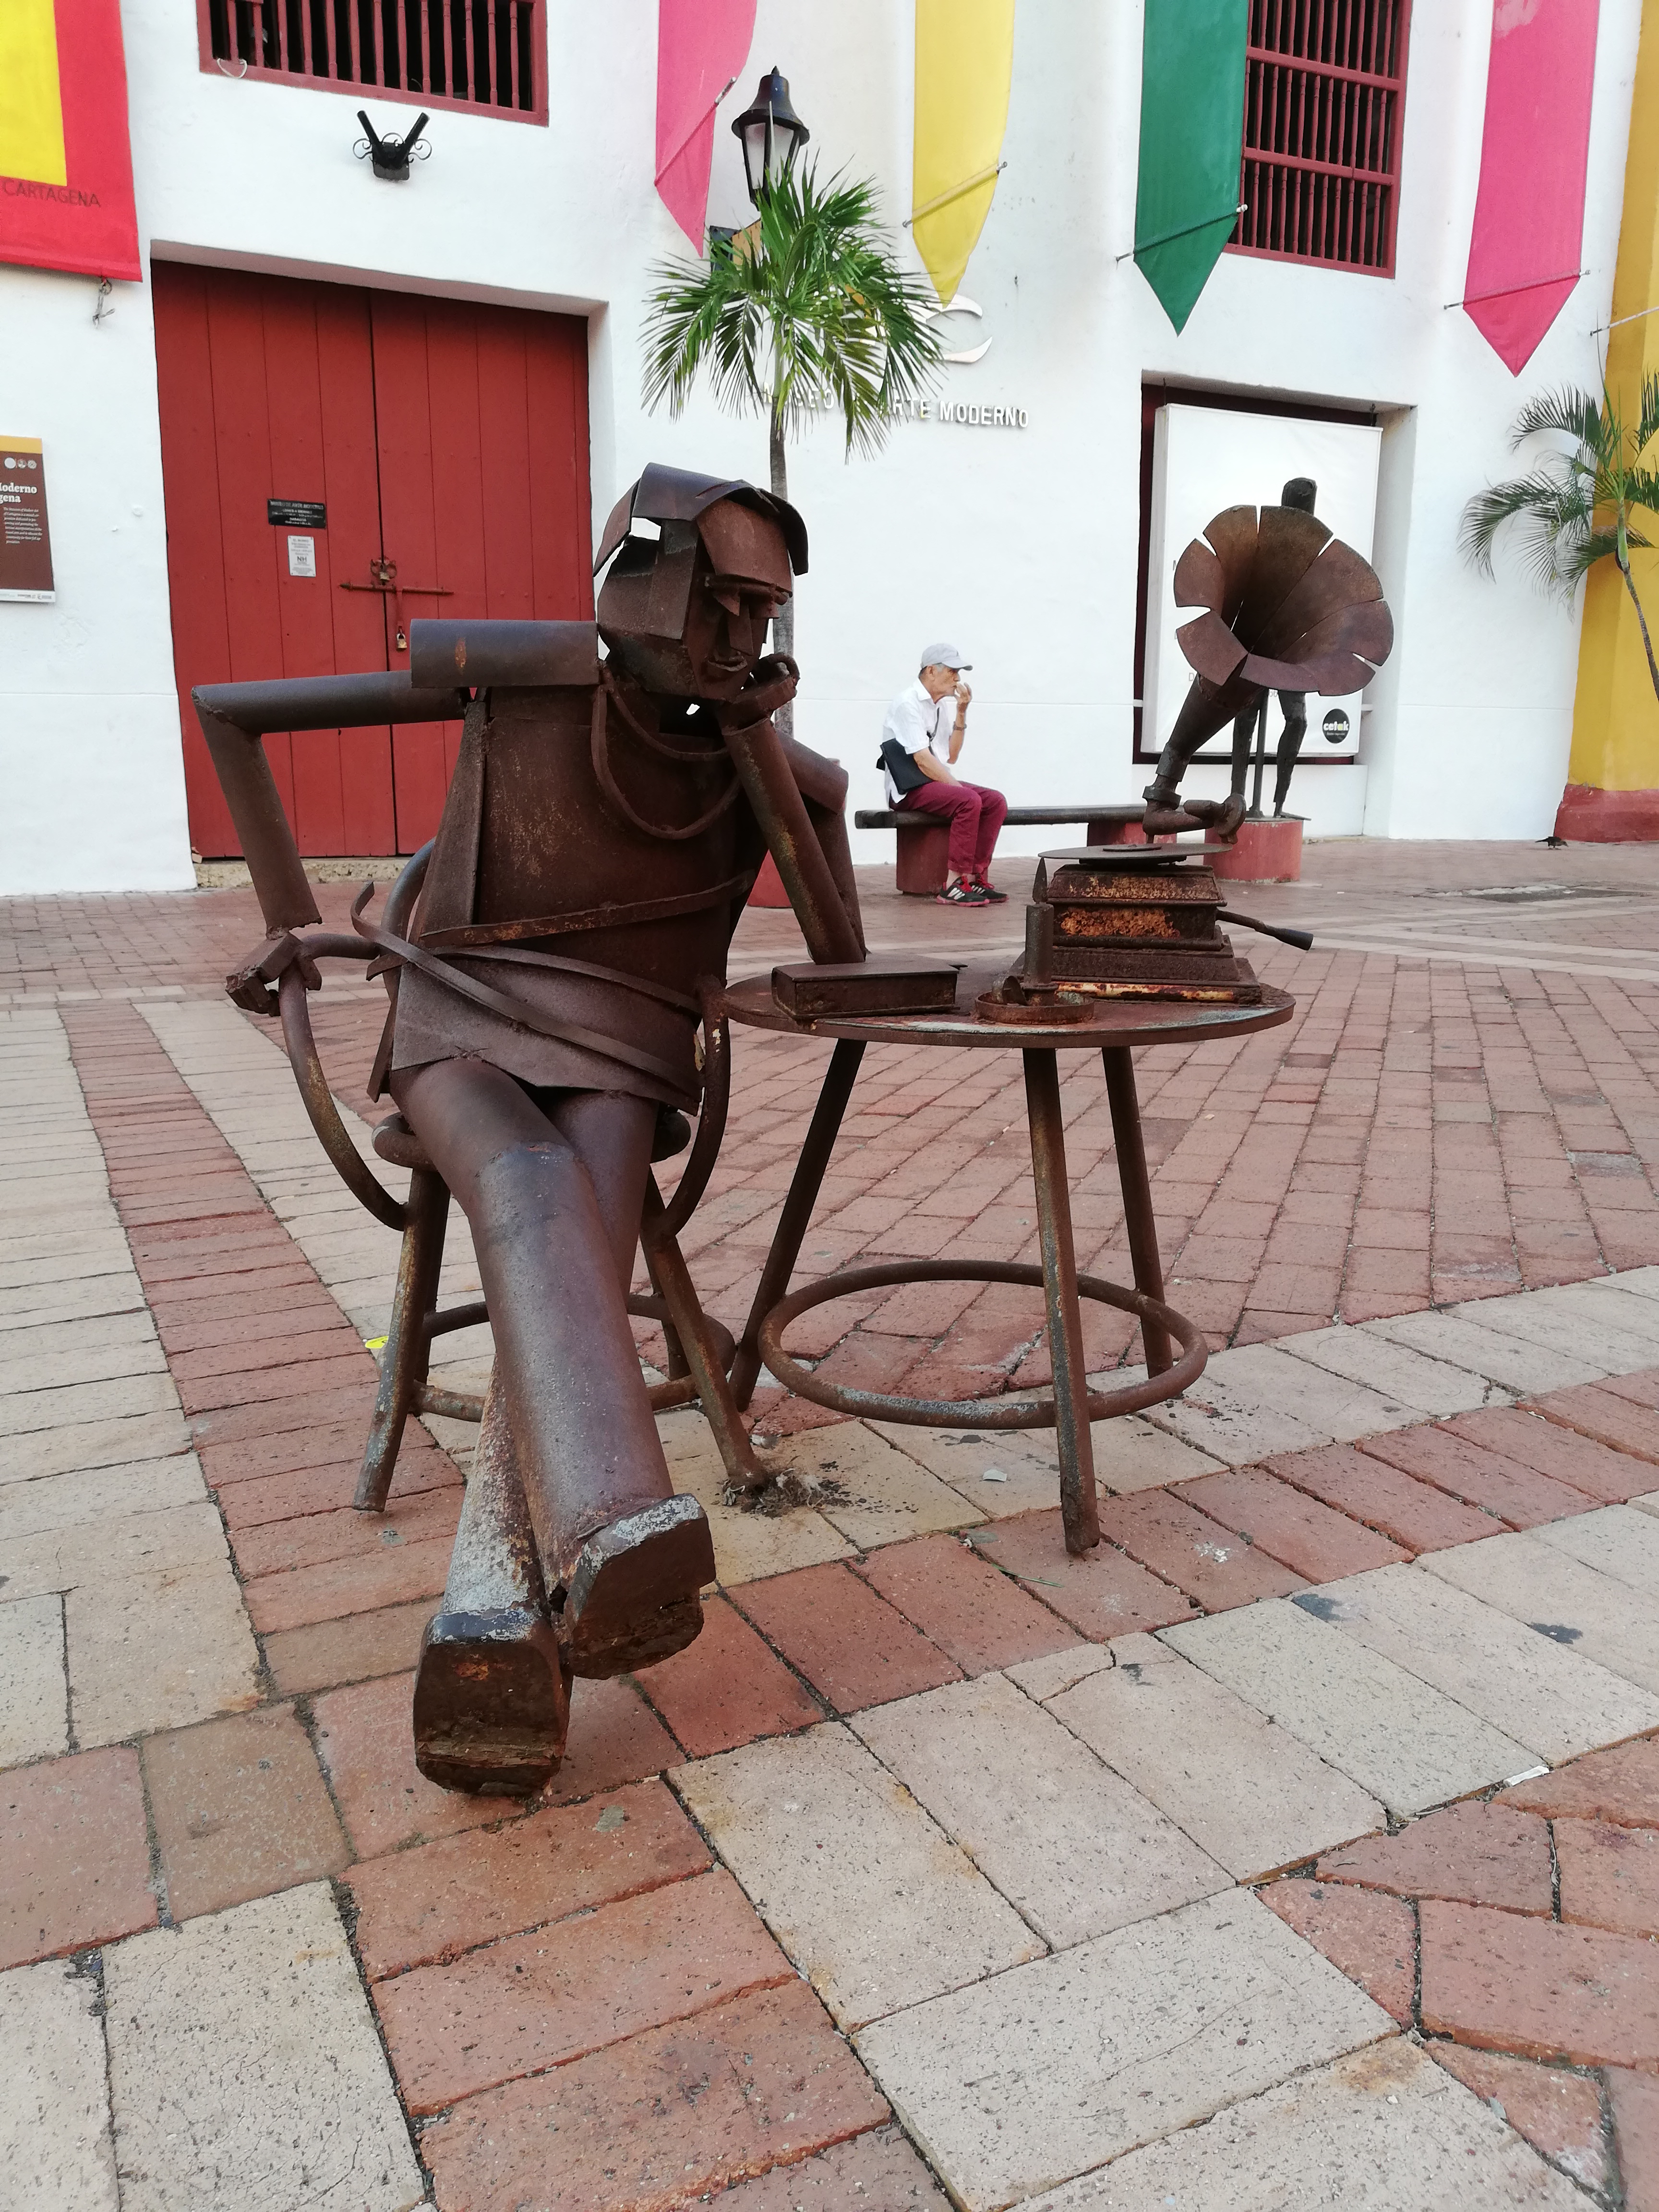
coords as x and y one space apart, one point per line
818 317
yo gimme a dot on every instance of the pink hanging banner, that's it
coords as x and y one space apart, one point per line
1525 255
701 46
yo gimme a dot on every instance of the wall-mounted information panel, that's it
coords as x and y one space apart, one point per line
24 534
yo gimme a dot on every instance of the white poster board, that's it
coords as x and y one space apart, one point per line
1206 458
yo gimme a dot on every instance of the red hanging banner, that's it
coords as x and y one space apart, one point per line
65 158
701 46
1529 235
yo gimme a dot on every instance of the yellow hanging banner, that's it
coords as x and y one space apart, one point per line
964 61
30 98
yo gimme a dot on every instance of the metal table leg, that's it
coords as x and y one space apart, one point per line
791 1232
1137 1197
1080 1510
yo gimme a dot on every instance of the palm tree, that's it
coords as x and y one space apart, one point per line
807 311
1576 508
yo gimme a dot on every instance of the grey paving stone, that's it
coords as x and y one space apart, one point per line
1605 1297
157 1651
1385 2129
1562 1599
1556 1702
92 1443
56 2151
870 1489
23 1413
1535 1317
1401 1741
95 1359
748 1546
874 1905
1334 1404
33 1689
1056 1671
1524 1368
1067 1842
1640 1282
1614 1541
82 1299
1042 2073
1649 1503
70 1501
65 1257
1433 1385
245 2068
1234 1423
1247 1793
1026 1472
105 1550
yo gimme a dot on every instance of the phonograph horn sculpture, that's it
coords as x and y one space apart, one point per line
1287 607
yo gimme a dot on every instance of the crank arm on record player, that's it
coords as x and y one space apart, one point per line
1300 938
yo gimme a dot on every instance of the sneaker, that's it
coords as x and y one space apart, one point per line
988 891
961 892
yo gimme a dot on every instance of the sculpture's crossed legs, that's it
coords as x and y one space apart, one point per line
553 1186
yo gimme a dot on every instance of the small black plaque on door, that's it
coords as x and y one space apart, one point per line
297 514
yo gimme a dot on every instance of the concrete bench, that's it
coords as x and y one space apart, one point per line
923 845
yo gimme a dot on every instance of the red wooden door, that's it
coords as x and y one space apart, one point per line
447 439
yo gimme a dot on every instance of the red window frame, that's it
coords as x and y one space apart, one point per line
384 50
1324 113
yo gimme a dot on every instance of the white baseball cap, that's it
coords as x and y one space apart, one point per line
942 656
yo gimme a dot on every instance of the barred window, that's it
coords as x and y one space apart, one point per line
1324 100
441 53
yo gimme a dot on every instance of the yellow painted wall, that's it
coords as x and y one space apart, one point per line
1615 723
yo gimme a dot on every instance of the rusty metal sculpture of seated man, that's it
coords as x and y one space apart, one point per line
604 825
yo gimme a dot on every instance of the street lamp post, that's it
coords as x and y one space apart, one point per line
771 134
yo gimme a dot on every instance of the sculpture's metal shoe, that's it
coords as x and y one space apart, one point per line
635 1595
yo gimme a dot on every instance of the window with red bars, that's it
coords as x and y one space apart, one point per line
1324 101
474 54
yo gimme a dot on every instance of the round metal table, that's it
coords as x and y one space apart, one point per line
1115 1028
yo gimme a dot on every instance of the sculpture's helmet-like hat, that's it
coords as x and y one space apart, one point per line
745 533
1287 607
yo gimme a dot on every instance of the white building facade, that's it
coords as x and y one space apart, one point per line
1010 518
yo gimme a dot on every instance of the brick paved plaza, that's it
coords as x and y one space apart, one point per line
1298 1847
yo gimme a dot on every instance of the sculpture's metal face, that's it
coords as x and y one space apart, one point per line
686 615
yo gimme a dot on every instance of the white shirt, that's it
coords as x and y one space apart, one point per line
919 724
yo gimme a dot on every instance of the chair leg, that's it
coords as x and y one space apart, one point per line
408 1346
492 1690
720 1406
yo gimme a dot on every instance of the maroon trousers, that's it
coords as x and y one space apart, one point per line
974 813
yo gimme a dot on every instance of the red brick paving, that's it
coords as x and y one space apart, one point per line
555 1993
241 1810
1413 1513
355 1649
979 1618
1515 1493
1521 1435
1316 1541
728 1688
1481 1854
420 1907
76 1856
1558 2111
1538 1988
1635 2101
1620 1785
651 2123
850 1644
1372 1938
1610 1417
1609 1875
1104 1595
1216 1567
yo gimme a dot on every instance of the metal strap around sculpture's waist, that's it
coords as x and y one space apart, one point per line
521 957
471 935
515 1010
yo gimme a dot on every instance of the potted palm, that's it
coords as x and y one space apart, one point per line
1575 507
806 312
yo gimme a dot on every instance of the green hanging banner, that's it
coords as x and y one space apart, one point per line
1192 133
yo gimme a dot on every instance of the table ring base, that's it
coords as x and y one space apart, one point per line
1037 1411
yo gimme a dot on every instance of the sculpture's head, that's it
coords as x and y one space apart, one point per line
687 597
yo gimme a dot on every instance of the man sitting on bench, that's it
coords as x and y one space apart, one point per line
922 739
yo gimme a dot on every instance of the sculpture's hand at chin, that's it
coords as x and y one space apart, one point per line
771 684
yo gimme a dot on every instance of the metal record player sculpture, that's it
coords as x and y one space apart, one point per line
1287 607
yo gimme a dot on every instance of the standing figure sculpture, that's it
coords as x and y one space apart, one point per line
1287 608
604 822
